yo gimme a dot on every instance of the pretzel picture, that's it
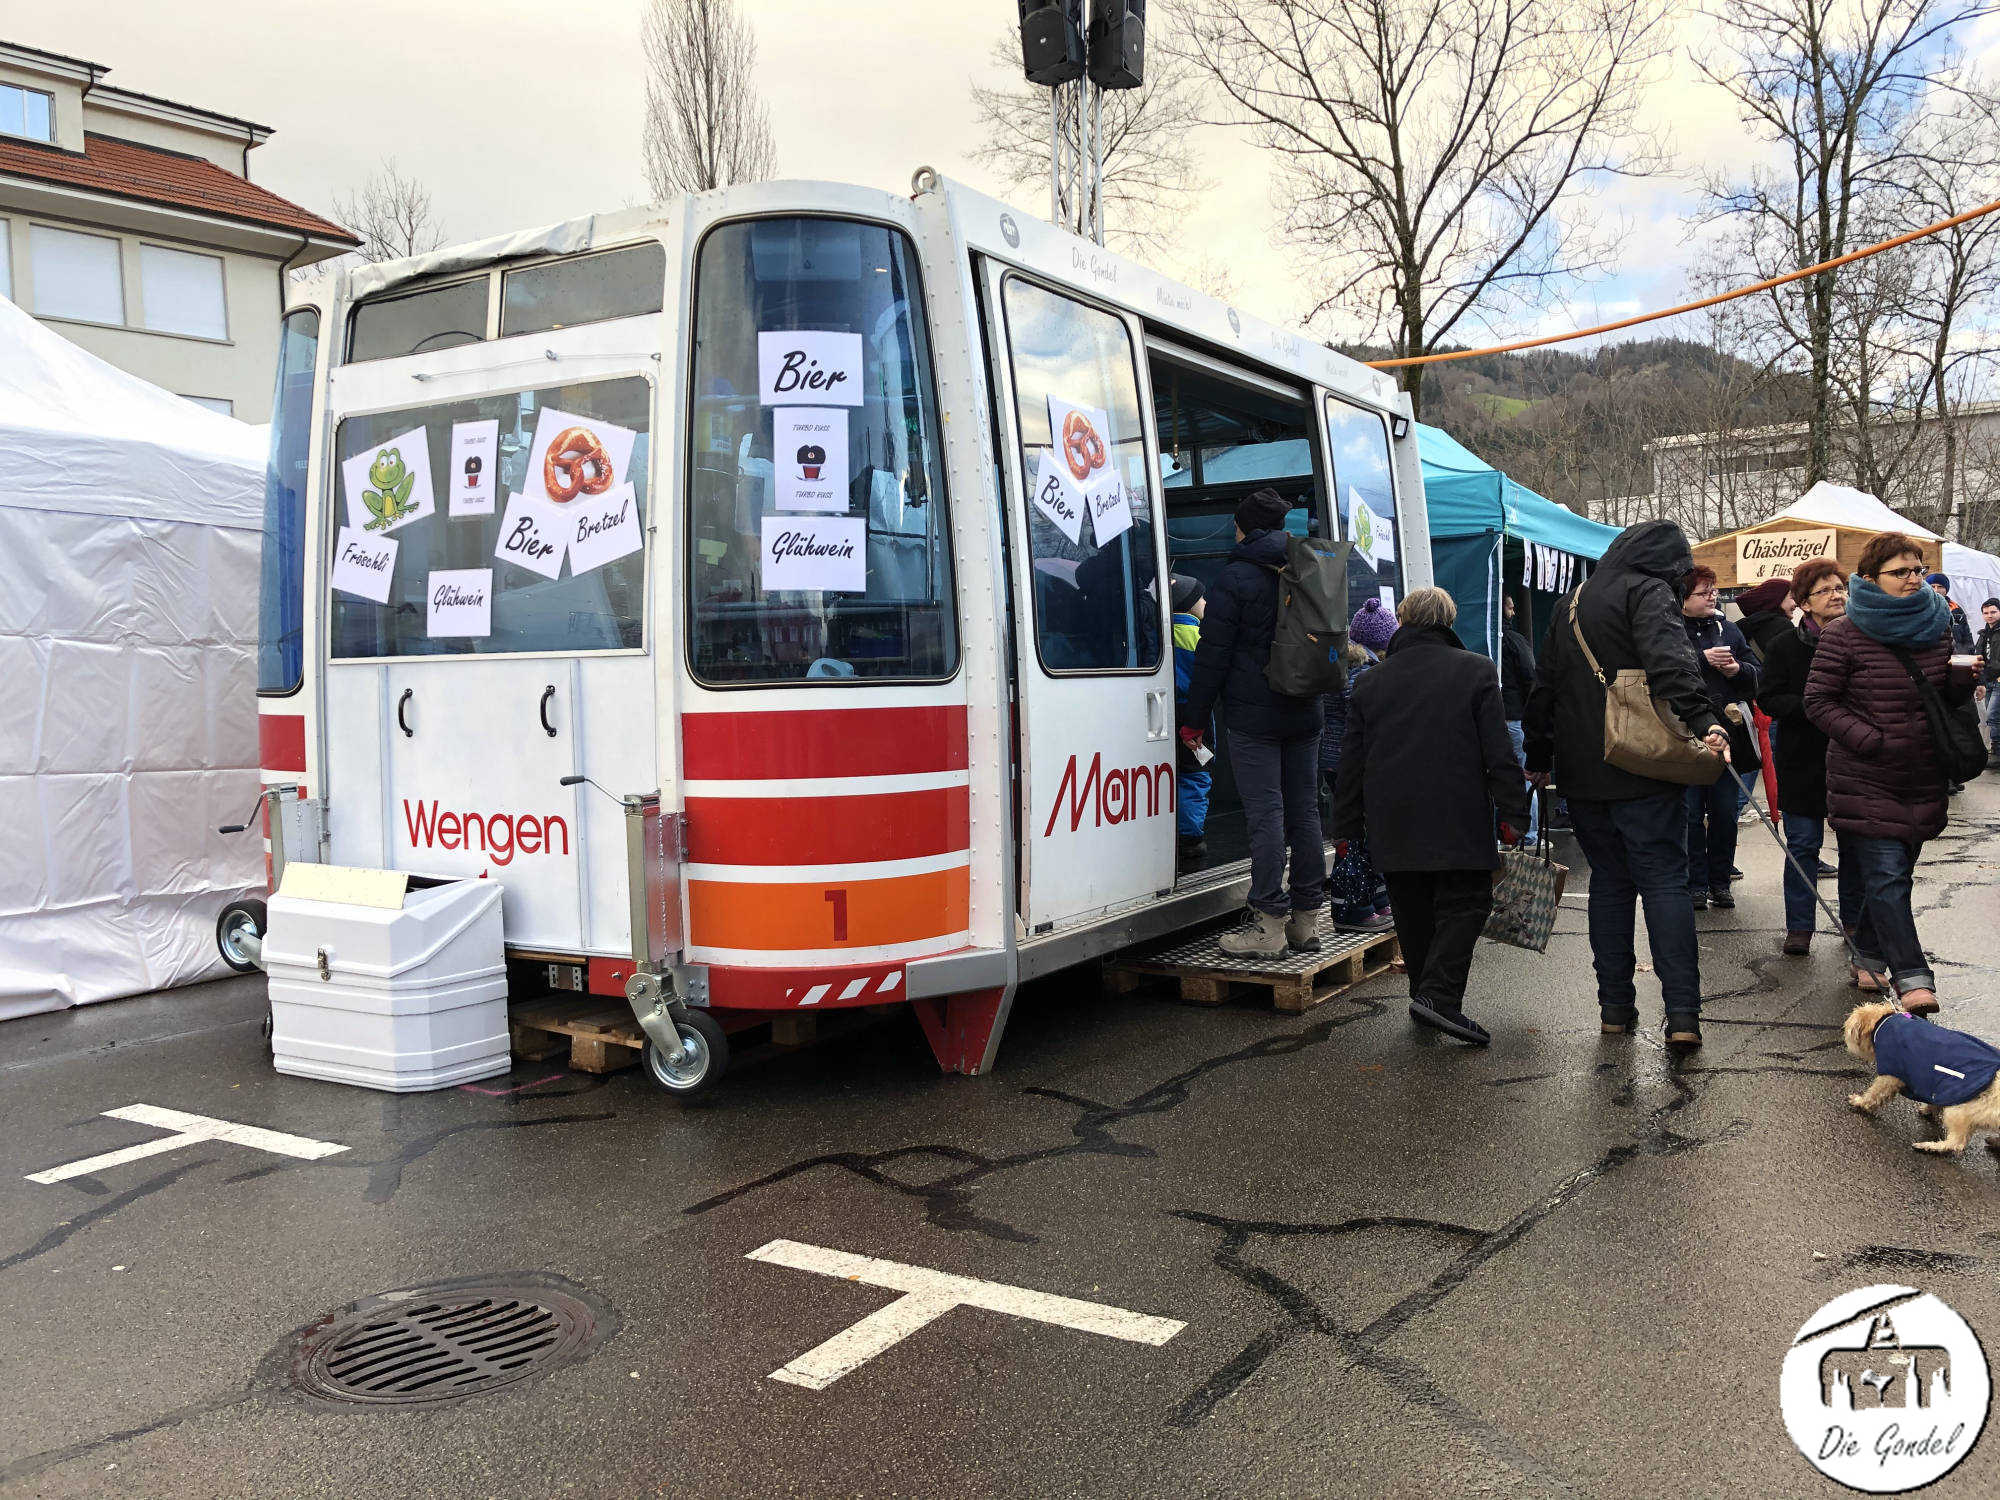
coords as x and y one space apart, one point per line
1083 449
576 464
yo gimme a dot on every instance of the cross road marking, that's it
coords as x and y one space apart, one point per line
927 1296
190 1129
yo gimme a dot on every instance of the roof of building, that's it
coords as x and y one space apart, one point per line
125 169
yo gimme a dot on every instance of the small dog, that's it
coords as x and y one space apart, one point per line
1951 1073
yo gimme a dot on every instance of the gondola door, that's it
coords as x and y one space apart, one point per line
1095 691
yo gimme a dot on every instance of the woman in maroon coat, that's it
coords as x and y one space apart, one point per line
1886 792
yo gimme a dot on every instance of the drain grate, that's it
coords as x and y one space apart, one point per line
447 1341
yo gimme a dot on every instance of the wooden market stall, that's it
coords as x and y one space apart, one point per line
1827 521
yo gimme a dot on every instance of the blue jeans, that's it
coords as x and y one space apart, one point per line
1886 935
1637 851
1805 837
1278 781
1519 737
1711 834
1993 719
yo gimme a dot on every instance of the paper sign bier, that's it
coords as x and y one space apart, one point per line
1058 499
809 368
532 535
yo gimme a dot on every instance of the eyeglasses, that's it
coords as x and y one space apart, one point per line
1916 572
1825 590
1702 594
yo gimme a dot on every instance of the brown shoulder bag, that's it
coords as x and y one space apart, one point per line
1641 736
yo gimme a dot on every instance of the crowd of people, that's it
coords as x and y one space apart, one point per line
1436 763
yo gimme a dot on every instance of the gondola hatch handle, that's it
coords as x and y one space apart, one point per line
548 693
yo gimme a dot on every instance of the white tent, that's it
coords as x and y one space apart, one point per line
130 524
1837 505
1975 578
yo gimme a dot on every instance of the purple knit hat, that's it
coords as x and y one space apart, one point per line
1372 626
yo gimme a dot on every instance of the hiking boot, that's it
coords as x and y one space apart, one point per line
1617 1023
1374 921
1451 1020
1721 899
1797 944
1683 1033
1699 899
1302 931
1825 871
1734 873
1920 1002
1261 936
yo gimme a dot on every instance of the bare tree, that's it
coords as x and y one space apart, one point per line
392 214
1150 176
1834 85
1436 152
706 126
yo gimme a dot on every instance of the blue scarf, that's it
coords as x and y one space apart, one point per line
1919 619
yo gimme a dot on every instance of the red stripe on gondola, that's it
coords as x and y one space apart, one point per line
281 742
827 830
822 742
804 989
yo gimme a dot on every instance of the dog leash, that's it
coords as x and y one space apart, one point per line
1884 977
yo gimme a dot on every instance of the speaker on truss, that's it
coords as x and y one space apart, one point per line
1052 41
1118 44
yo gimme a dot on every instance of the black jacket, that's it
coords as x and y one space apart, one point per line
1799 752
1988 647
1427 761
1631 613
1235 644
1721 689
1517 672
1961 630
1764 627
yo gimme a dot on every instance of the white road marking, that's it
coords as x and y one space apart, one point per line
927 1296
189 1130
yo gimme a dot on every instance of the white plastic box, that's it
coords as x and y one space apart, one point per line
409 999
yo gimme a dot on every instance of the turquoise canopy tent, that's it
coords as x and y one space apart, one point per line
1483 526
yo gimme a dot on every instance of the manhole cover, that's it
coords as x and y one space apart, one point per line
446 1341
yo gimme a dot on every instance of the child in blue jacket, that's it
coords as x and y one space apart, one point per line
1360 898
1191 797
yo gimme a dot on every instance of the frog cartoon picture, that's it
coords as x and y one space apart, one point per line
389 501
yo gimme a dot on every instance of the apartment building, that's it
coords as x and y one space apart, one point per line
129 224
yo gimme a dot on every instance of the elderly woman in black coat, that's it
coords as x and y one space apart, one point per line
1424 770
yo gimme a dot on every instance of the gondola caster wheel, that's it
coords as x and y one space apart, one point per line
240 920
705 1060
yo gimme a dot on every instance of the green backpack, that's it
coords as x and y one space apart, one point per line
1311 632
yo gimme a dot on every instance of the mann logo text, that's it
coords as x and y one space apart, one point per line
499 836
1115 796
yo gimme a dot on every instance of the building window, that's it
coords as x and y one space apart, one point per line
76 275
182 292
27 112
219 404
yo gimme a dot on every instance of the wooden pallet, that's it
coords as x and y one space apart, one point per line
600 1035
1295 982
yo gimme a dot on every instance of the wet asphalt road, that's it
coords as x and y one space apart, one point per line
1565 1265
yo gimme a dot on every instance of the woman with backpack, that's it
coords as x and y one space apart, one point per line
1887 786
1273 737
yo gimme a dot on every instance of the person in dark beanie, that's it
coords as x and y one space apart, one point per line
1729 677
1767 614
1426 768
1961 628
1632 828
1360 899
1189 602
1987 649
1273 738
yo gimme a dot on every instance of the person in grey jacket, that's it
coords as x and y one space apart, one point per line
1632 828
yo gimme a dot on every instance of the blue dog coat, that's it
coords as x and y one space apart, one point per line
1937 1065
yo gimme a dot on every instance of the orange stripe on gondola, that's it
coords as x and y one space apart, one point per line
762 746
827 830
829 914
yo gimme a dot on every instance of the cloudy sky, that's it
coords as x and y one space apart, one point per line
518 112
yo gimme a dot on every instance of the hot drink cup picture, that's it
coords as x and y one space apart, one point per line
811 458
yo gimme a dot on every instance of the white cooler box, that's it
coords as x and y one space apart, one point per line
410 997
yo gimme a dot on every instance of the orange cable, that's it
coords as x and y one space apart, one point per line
1742 291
